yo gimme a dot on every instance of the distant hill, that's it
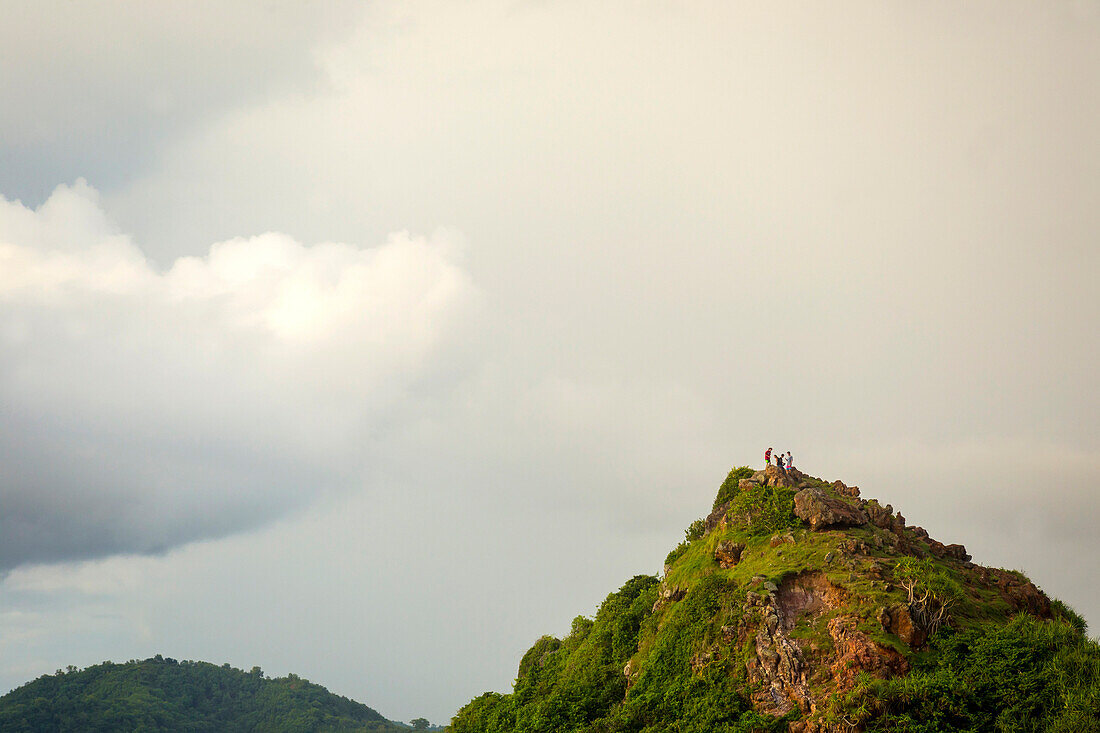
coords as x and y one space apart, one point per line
798 607
162 694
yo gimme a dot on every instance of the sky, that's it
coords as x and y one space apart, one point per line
372 341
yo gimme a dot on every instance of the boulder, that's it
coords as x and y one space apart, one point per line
852 492
781 539
898 621
821 511
1020 593
853 547
776 476
957 552
728 553
668 594
880 516
672 593
950 552
717 519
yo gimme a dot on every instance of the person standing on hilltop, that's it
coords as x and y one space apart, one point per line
768 456
790 461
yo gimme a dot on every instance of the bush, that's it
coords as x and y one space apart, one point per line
931 591
1068 615
728 489
677 552
669 693
766 509
1027 676
695 530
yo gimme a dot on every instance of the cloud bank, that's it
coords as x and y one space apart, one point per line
141 409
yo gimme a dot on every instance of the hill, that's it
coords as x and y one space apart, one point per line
162 694
798 606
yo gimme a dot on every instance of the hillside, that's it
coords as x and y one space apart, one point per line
796 605
161 694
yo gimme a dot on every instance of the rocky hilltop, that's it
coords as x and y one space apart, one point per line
797 605
865 589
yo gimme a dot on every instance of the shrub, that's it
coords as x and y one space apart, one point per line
931 591
695 530
677 552
673 692
1025 676
580 628
1068 615
766 509
728 489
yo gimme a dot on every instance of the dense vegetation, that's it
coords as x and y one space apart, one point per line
675 654
1026 676
161 694
578 684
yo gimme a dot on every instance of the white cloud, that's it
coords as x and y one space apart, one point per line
145 408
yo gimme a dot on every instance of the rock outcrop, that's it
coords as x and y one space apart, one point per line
822 511
852 492
783 666
880 516
779 668
898 621
728 553
954 552
776 476
717 519
1021 593
856 653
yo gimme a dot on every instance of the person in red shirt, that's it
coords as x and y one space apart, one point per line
768 456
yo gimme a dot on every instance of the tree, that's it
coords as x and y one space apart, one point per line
931 591
420 723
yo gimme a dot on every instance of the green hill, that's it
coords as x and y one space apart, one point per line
798 606
161 694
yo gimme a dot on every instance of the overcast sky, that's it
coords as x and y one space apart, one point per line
371 342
